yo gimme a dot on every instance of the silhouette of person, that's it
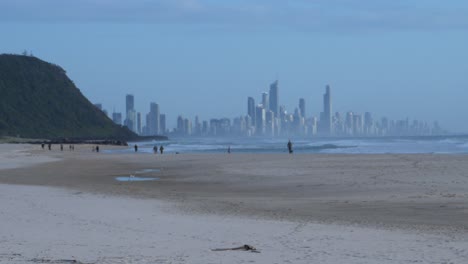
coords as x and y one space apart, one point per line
161 149
61 147
229 150
136 148
42 145
97 148
50 146
155 149
290 147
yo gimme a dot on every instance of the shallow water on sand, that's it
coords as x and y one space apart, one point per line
131 179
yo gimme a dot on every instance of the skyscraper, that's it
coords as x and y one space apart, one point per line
302 107
327 112
251 110
260 120
162 124
274 100
154 118
265 101
129 103
117 118
138 128
130 115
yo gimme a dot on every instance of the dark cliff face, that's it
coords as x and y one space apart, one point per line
38 100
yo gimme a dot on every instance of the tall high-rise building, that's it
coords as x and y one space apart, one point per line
302 107
117 118
251 110
274 99
154 119
130 116
162 123
327 112
265 101
129 103
138 123
131 121
260 116
180 125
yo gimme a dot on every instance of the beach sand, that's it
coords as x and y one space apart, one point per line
294 208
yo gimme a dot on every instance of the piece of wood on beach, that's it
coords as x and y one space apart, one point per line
243 248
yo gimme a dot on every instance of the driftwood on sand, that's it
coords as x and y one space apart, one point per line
243 248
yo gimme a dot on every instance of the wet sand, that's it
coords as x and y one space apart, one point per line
309 207
392 190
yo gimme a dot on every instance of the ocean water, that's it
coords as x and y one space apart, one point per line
439 145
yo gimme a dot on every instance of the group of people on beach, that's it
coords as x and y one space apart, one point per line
155 149
161 149
49 146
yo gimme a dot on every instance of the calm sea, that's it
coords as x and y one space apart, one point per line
439 144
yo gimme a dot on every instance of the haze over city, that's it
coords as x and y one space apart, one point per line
400 59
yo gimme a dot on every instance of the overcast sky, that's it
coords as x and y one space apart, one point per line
399 58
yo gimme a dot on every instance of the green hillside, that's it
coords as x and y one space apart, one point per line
38 100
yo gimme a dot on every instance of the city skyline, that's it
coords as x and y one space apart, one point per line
269 118
391 57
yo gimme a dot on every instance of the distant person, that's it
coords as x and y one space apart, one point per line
161 149
229 150
97 148
155 149
42 145
61 147
136 148
50 146
290 149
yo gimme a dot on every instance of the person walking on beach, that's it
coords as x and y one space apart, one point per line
229 150
42 145
155 149
136 147
290 147
50 146
161 149
97 148
61 147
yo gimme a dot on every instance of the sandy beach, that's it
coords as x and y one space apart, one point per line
59 206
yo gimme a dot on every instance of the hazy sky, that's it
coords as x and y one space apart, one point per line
399 58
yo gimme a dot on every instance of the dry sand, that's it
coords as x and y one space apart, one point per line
294 208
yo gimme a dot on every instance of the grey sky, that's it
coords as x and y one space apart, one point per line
395 58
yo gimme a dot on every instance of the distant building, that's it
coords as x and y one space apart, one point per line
117 118
260 120
251 110
326 122
129 103
154 119
130 120
265 101
302 107
162 121
138 128
274 99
